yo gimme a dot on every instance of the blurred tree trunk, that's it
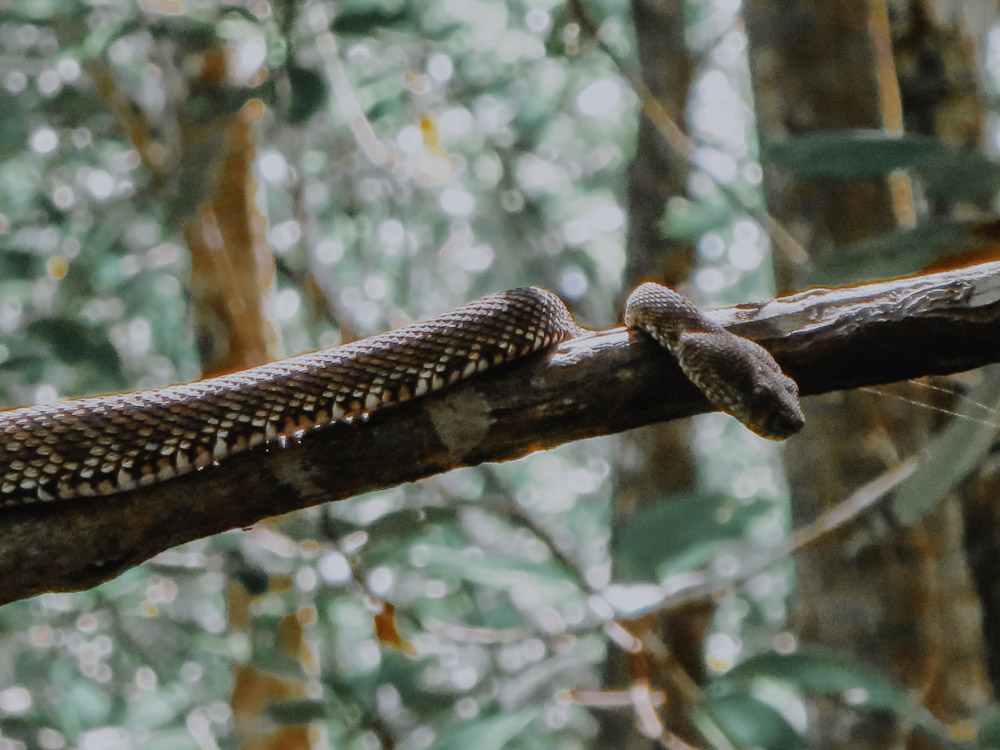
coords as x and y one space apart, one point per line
938 52
937 49
897 599
210 160
655 461
232 274
232 266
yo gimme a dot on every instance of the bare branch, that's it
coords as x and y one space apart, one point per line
599 384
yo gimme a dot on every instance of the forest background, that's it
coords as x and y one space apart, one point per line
193 188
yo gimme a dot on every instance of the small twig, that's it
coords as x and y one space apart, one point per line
864 498
671 741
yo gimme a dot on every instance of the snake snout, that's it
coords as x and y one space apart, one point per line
775 412
781 425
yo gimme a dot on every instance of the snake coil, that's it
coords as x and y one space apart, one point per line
110 444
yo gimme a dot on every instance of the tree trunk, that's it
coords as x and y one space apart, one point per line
883 597
655 461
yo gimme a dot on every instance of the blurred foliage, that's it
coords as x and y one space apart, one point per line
411 156
943 173
946 172
953 453
488 165
853 153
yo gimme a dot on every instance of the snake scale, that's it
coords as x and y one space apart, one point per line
110 444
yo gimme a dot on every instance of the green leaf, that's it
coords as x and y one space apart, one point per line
896 253
212 102
77 344
951 455
13 124
298 712
407 522
84 705
18 264
853 153
679 534
887 255
71 341
158 708
30 367
960 175
190 34
502 573
489 733
171 739
309 94
441 32
19 179
71 107
43 10
826 674
365 22
386 107
749 722
255 579
988 735
101 37
688 220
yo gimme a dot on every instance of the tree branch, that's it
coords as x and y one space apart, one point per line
598 384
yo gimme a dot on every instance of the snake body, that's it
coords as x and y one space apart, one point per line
110 444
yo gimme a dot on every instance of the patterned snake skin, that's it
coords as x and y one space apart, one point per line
111 444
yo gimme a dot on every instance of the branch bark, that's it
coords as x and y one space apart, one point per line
598 384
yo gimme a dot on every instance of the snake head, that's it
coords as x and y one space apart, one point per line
741 378
771 407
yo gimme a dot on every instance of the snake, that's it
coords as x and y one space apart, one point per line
105 445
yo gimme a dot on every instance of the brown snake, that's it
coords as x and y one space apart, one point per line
110 444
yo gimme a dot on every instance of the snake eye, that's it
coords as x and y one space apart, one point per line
774 413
